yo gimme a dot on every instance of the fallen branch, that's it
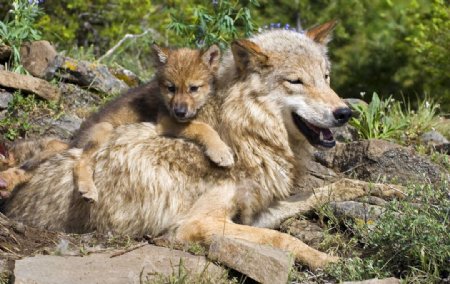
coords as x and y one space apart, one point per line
154 33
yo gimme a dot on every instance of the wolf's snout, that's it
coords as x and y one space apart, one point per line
342 115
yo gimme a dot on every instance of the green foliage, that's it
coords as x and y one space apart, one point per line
18 27
16 122
220 22
410 240
395 120
374 120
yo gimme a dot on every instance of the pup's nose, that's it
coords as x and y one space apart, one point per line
342 115
180 111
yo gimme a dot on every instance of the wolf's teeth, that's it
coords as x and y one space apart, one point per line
321 135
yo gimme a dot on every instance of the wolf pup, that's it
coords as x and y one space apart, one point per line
184 81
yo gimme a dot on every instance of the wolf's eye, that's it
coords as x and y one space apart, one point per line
327 76
296 82
193 89
171 89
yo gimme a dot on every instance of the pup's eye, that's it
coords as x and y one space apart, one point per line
327 76
171 89
296 82
193 88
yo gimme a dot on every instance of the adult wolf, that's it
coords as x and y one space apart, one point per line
273 96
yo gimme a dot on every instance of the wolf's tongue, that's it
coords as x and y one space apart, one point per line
327 135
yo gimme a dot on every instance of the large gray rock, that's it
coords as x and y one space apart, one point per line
91 75
357 210
379 160
262 263
142 265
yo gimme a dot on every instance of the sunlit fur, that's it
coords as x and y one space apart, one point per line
159 186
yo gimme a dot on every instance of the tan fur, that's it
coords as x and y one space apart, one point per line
182 69
149 184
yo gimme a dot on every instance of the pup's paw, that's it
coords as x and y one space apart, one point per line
222 156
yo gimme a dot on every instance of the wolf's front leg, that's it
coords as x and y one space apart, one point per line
341 190
201 133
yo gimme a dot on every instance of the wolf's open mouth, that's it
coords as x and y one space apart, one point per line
316 136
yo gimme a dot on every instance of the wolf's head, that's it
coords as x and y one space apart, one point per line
186 78
295 72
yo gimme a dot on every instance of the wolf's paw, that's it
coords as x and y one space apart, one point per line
222 156
88 191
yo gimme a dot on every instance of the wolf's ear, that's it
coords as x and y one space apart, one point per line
160 55
322 33
211 57
248 55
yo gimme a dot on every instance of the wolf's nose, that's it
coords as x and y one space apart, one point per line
342 115
180 111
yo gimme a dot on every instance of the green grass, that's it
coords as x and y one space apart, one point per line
411 240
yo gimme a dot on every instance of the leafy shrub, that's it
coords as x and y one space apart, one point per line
395 120
18 27
374 120
220 22
410 240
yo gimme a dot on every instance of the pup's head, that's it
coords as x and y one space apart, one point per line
295 71
186 78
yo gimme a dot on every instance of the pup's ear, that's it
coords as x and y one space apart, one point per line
248 55
322 33
160 55
211 57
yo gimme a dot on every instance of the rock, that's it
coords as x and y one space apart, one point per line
91 75
357 210
433 138
141 265
353 101
391 280
40 59
5 98
5 53
131 79
346 133
317 176
304 230
378 160
6 270
31 84
373 200
62 128
262 263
